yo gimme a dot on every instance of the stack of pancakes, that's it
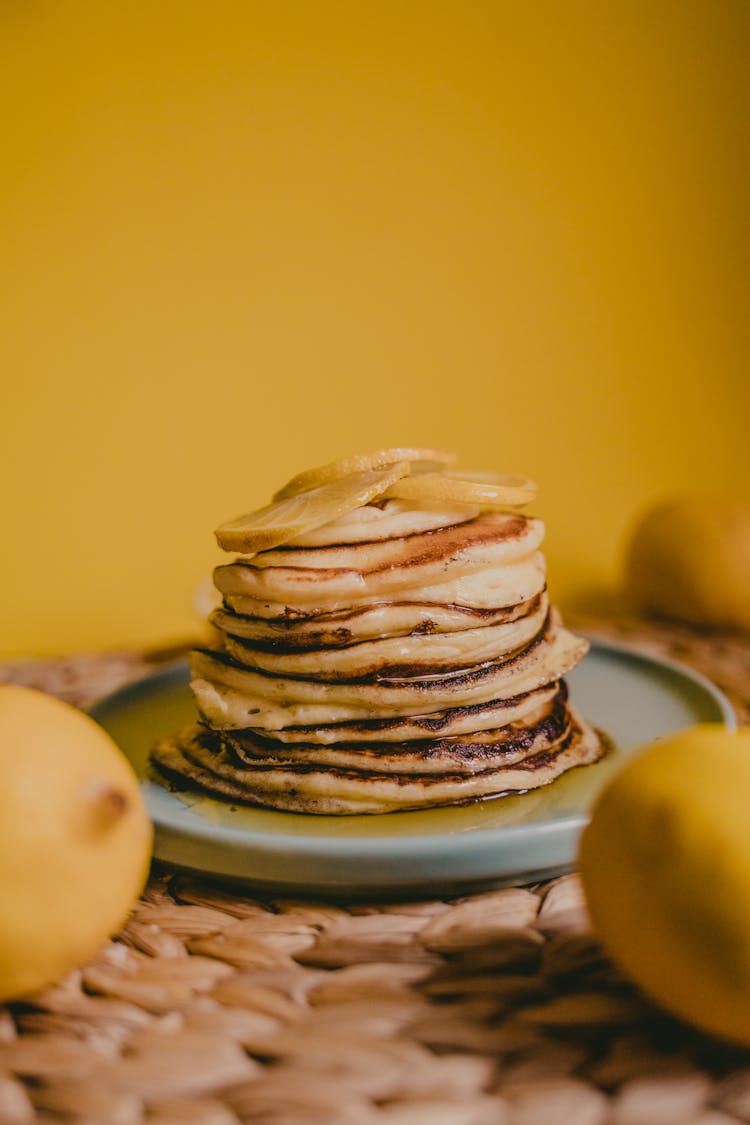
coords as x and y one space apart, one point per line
398 657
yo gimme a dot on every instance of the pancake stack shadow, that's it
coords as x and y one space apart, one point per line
396 658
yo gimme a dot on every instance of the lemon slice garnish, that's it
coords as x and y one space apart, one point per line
489 490
421 460
280 522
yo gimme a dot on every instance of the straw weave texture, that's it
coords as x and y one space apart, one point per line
215 1007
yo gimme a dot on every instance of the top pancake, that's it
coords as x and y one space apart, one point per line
340 575
385 519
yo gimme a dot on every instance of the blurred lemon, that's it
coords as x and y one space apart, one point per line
75 839
689 559
665 862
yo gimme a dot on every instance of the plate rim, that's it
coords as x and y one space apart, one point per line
623 648
420 845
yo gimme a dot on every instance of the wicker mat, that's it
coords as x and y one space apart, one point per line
498 1009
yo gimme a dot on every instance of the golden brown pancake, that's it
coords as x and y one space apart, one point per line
469 753
496 587
230 695
475 718
200 758
386 519
395 659
324 575
242 617
410 656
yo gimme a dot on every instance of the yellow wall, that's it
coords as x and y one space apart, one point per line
244 237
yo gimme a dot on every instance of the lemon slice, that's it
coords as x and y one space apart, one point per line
296 515
489 490
421 460
482 476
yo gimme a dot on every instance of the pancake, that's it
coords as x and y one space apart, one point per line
199 758
324 574
510 534
230 695
398 657
411 655
490 589
244 617
455 720
467 753
386 519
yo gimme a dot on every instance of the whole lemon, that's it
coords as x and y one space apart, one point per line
689 559
665 862
75 839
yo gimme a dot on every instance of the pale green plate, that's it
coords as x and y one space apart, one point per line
633 698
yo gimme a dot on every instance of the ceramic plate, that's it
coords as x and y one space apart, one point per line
632 697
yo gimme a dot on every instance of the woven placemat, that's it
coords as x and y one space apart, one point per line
212 1006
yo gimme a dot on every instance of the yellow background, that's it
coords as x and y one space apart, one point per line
239 238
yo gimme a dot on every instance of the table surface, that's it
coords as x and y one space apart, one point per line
216 1007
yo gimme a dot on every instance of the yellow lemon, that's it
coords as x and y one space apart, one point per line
665 862
689 559
75 839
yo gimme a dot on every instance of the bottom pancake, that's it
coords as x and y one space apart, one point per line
201 759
